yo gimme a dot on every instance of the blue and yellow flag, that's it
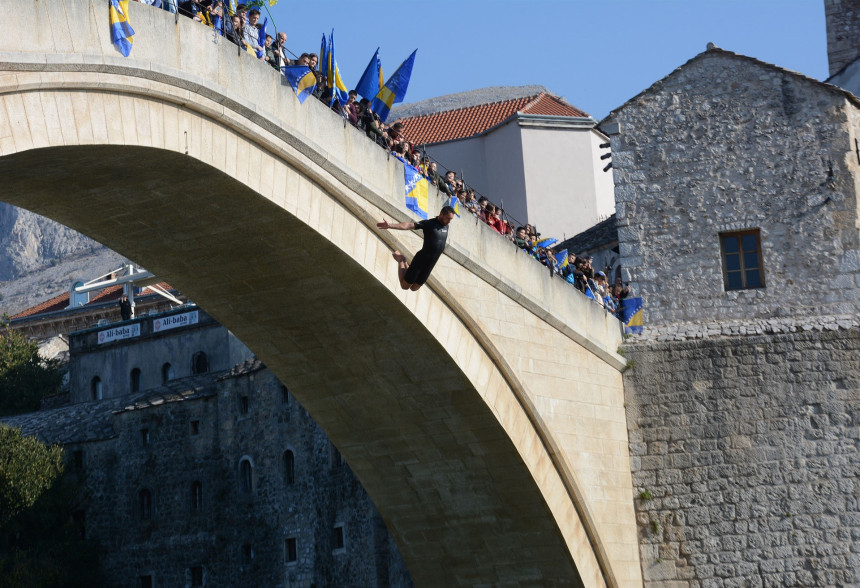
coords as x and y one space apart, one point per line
548 242
416 191
631 314
333 80
302 79
121 33
454 203
394 89
561 258
261 38
371 80
322 62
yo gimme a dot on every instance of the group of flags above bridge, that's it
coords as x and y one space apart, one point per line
302 79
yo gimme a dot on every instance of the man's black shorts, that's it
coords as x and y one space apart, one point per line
420 268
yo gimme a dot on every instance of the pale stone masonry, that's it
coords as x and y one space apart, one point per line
744 452
483 414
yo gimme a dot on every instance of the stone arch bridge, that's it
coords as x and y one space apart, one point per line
483 414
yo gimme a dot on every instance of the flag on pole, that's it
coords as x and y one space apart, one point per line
121 33
549 241
333 80
261 38
371 80
561 258
394 89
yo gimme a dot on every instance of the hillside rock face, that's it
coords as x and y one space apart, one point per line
39 258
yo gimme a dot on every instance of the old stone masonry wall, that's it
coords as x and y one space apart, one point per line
744 452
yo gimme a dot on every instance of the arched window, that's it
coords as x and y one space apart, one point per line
197 496
135 380
166 373
96 386
199 363
145 503
246 472
289 468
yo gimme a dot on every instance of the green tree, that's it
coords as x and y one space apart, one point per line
42 522
27 469
25 378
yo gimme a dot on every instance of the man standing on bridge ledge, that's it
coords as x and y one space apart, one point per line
412 276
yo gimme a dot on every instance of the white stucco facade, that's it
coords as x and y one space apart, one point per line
544 170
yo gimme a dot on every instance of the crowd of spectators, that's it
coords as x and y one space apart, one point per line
243 28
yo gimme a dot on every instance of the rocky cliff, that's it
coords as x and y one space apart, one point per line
40 258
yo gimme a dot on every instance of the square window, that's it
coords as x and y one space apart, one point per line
291 550
78 457
742 260
145 581
247 554
337 538
195 427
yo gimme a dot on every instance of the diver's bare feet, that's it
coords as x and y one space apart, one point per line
398 257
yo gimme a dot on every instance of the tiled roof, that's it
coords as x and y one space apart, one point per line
248 366
61 302
474 120
56 303
94 421
597 237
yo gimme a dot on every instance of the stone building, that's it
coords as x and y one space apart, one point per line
200 469
728 152
737 211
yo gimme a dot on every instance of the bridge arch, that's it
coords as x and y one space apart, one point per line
431 396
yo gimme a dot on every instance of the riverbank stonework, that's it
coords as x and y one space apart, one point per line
744 452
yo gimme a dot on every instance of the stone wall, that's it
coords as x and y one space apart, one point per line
843 32
237 537
728 143
744 453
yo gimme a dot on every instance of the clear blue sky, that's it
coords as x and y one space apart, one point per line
595 53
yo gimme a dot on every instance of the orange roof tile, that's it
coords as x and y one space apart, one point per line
56 303
61 302
473 120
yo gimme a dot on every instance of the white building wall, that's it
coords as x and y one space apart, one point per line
548 176
561 167
604 181
507 180
466 156
492 164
